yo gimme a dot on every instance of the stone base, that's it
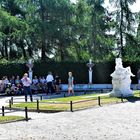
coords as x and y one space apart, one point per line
118 93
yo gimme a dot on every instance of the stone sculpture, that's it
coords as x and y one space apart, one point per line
121 80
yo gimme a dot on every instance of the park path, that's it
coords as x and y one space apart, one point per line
111 122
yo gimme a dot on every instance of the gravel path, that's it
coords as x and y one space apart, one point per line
112 122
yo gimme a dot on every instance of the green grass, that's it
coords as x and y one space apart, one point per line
73 98
63 103
137 93
4 119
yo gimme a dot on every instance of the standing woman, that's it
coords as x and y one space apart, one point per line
70 83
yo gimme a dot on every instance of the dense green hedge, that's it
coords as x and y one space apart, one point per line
12 69
101 71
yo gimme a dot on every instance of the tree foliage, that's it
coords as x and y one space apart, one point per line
60 30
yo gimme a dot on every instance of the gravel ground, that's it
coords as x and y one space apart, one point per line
111 122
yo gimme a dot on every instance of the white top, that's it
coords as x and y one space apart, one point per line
35 81
49 78
26 82
43 80
6 81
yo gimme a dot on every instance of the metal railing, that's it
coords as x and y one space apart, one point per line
38 102
5 110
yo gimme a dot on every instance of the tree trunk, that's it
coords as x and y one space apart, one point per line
30 49
23 49
6 48
43 46
2 52
43 55
121 54
93 33
79 58
62 52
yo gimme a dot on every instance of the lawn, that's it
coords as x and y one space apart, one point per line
4 119
83 101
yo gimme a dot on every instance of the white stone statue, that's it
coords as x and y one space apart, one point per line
30 65
121 80
90 65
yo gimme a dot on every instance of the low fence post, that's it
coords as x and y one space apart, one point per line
10 104
37 103
26 114
71 107
99 101
41 98
85 92
2 110
12 100
122 98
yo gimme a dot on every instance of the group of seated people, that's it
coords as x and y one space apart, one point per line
14 86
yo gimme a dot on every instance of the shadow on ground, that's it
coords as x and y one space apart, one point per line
132 99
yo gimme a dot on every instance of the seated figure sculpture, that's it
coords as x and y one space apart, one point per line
121 80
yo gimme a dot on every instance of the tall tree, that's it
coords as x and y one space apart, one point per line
132 51
124 22
11 28
99 42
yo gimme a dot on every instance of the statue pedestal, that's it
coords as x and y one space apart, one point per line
30 73
121 88
30 64
118 93
90 76
90 65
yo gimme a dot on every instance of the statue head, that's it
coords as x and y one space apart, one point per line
30 64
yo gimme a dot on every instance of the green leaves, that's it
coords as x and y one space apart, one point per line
61 31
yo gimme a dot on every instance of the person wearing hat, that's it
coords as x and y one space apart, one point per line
26 86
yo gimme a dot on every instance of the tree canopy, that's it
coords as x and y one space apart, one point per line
59 30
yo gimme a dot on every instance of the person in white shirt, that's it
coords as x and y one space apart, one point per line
49 80
26 86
